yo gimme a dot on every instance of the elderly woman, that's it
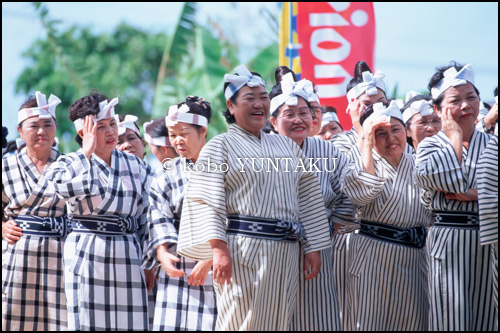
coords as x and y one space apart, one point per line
460 288
106 192
185 282
156 135
387 260
291 116
420 118
32 267
249 221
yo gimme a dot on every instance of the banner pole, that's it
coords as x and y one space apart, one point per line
290 37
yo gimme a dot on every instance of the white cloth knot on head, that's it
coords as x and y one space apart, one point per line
369 85
244 77
309 89
45 109
106 111
157 141
181 114
381 111
128 122
453 78
290 91
422 106
329 117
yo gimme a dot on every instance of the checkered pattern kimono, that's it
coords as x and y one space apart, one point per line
387 282
179 307
105 285
263 290
461 292
32 269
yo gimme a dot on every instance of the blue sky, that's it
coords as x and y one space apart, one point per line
411 38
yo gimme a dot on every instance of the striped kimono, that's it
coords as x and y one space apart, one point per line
387 281
487 187
263 290
179 307
317 301
105 285
460 284
32 269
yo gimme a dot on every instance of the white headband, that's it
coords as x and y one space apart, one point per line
128 122
369 85
309 89
380 110
176 115
452 78
244 77
329 117
44 110
291 90
422 106
157 141
107 110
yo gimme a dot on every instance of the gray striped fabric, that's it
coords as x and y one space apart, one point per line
265 272
460 286
387 282
32 269
105 285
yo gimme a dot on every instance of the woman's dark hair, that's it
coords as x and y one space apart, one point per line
276 91
5 132
198 105
229 117
86 106
328 108
157 128
122 118
361 66
29 103
281 71
438 76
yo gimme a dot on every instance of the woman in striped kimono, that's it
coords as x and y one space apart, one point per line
387 259
32 265
107 202
460 288
487 188
186 297
291 116
249 220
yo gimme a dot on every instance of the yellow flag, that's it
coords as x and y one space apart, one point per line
289 47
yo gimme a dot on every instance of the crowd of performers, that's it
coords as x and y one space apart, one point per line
396 227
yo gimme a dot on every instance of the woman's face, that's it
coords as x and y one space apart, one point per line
187 140
372 99
420 127
38 133
107 137
251 109
316 123
294 122
130 142
390 143
463 102
329 130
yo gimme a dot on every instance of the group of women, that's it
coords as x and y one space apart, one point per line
392 225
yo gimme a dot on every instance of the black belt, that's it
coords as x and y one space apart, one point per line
455 219
414 237
258 227
109 225
43 226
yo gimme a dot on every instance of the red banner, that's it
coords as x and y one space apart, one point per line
334 37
